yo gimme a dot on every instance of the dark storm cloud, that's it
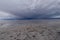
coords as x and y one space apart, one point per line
30 9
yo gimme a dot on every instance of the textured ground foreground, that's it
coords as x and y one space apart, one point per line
30 30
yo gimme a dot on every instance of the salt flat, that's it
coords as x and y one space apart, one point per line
29 29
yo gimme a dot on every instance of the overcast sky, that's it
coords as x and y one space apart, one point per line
25 9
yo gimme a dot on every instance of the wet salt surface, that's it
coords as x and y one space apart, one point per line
29 30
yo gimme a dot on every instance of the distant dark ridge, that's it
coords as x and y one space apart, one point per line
32 19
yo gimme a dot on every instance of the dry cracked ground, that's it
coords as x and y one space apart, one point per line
29 30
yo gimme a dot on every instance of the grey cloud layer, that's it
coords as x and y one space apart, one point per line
31 8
